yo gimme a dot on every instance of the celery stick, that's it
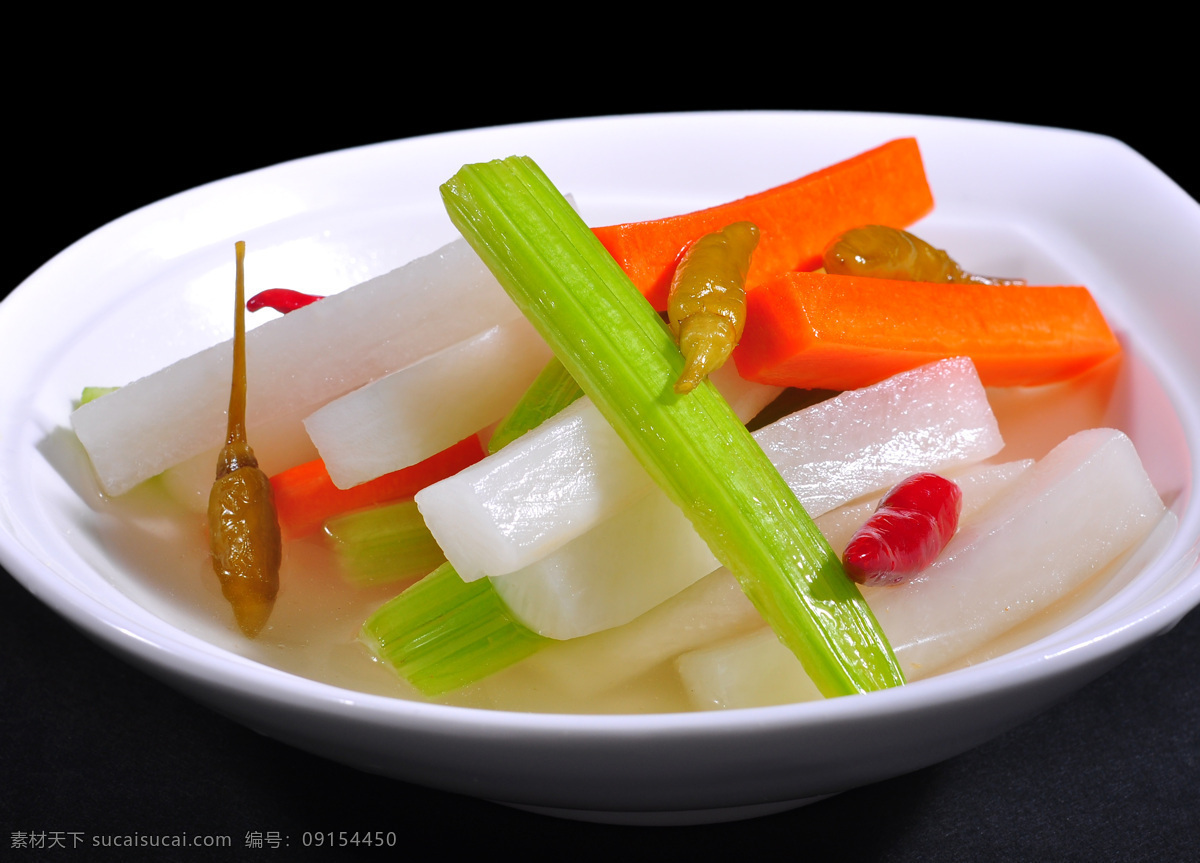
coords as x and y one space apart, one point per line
443 633
90 394
384 544
612 342
550 392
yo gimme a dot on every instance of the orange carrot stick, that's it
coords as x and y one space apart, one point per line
816 330
884 186
305 495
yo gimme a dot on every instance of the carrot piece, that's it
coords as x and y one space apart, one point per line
305 496
811 330
884 186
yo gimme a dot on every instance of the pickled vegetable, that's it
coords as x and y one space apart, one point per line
823 330
305 495
707 303
889 253
383 545
906 533
443 633
243 527
282 300
409 415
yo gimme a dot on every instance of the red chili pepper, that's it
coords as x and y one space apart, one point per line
909 529
280 299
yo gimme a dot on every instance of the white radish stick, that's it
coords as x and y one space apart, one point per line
422 409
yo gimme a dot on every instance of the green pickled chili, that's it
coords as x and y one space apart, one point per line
707 301
623 356
880 252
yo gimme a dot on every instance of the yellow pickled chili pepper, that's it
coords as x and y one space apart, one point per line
888 253
242 523
707 303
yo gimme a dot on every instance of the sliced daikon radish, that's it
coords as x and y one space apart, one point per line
749 670
295 364
1087 502
618 570
712 609
516 505
863 441
548 486
930 415
982 484
413 413
1083 506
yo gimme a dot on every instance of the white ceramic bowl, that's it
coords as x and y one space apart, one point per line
1056 206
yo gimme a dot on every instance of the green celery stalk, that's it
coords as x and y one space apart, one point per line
90 394
443 633
384 544
551 391
621 353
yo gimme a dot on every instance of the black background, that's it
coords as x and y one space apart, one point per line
91 745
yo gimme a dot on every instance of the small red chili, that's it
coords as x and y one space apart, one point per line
280 299
909 529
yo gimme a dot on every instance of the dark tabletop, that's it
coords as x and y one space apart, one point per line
92 747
